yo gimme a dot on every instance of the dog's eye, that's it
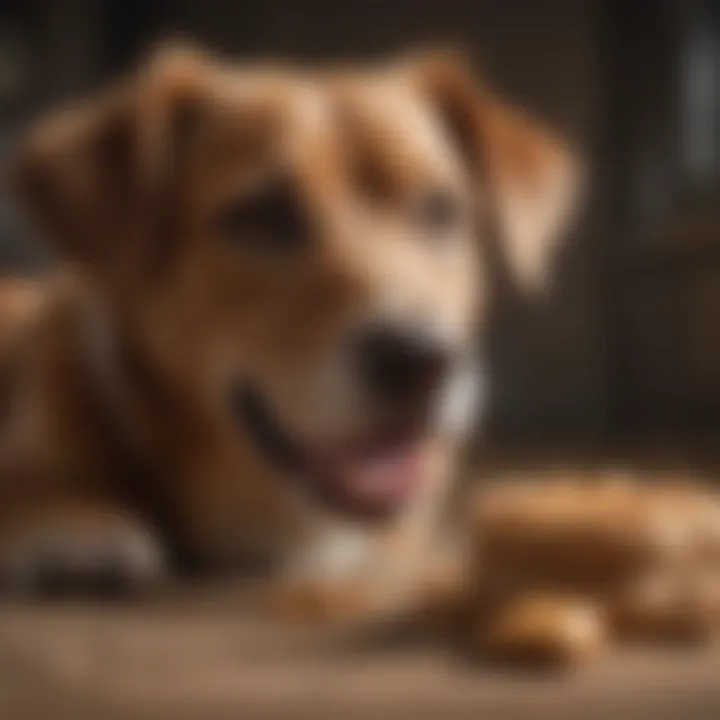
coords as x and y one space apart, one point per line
437 210
272 218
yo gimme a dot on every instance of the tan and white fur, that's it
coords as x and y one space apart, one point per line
120 450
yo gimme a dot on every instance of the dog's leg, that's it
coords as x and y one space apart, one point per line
77 547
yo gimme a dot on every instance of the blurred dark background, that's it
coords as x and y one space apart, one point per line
627 342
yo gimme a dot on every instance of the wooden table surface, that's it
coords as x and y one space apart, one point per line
202 656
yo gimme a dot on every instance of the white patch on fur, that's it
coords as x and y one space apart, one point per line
463 400
336 550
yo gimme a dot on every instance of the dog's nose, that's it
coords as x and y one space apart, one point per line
400 365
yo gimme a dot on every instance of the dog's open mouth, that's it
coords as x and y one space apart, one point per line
372 477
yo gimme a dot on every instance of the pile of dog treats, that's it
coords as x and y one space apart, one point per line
565 568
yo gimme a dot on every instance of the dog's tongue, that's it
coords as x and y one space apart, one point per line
376 478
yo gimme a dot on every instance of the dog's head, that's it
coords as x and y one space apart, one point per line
305 250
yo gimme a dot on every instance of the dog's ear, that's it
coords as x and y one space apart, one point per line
529 180
86 175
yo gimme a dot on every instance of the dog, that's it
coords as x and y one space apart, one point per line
260 346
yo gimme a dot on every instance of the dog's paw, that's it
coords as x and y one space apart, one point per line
80 553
